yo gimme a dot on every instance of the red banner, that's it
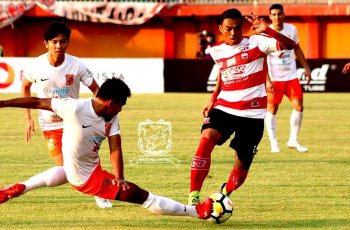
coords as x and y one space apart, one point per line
12 10
124 13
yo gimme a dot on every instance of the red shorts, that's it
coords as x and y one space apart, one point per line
292 89
54 141
99 184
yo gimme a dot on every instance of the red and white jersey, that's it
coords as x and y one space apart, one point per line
83 133
243 75
57 82
281 64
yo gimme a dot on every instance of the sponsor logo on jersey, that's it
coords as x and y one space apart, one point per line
85 126
234 72
244 56
254 104
57 93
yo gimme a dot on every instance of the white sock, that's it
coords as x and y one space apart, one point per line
164 206
295 123
270 123
52 177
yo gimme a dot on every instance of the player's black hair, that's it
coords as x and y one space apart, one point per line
230 13
114 89
56 28
276 7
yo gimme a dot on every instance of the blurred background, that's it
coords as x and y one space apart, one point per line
175 31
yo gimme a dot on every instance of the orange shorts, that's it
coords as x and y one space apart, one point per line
99 184
54 141
292 89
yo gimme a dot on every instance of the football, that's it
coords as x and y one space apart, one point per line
222 208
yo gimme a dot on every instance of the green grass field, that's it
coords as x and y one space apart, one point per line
289 190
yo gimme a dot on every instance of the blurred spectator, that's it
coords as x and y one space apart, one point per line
206 40
202 44
211 42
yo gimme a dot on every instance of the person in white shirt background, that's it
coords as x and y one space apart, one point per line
283 74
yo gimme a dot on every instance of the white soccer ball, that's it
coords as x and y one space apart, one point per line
222 208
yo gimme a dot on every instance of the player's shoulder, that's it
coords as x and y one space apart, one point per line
289 26
74 60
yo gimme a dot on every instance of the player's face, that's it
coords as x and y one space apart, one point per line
57 46
231 29
112 109
276 17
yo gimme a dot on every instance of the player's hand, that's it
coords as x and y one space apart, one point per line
269 87
307 74
258 24
206 108
346 68
121 183
29 129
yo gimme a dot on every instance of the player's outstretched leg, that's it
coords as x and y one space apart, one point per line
162 205
52 177
10 192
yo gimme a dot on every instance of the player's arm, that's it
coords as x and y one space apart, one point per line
259 26
30 127
27 102
207 107
302 60
94 87
116 158
269 84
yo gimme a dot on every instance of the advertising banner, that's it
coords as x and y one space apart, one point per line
143 75
199 75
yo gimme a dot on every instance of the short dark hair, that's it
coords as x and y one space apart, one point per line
56 28
230 13
276 7
114 89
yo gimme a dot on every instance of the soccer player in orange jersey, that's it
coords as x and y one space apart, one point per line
283 74
86 123
56 74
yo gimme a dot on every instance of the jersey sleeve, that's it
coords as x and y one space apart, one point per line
266 44
295 35
86 76
115 128
64 107
29 73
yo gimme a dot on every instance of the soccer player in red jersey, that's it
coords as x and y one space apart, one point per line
283 73
239 101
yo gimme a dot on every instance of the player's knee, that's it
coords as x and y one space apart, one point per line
134 194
